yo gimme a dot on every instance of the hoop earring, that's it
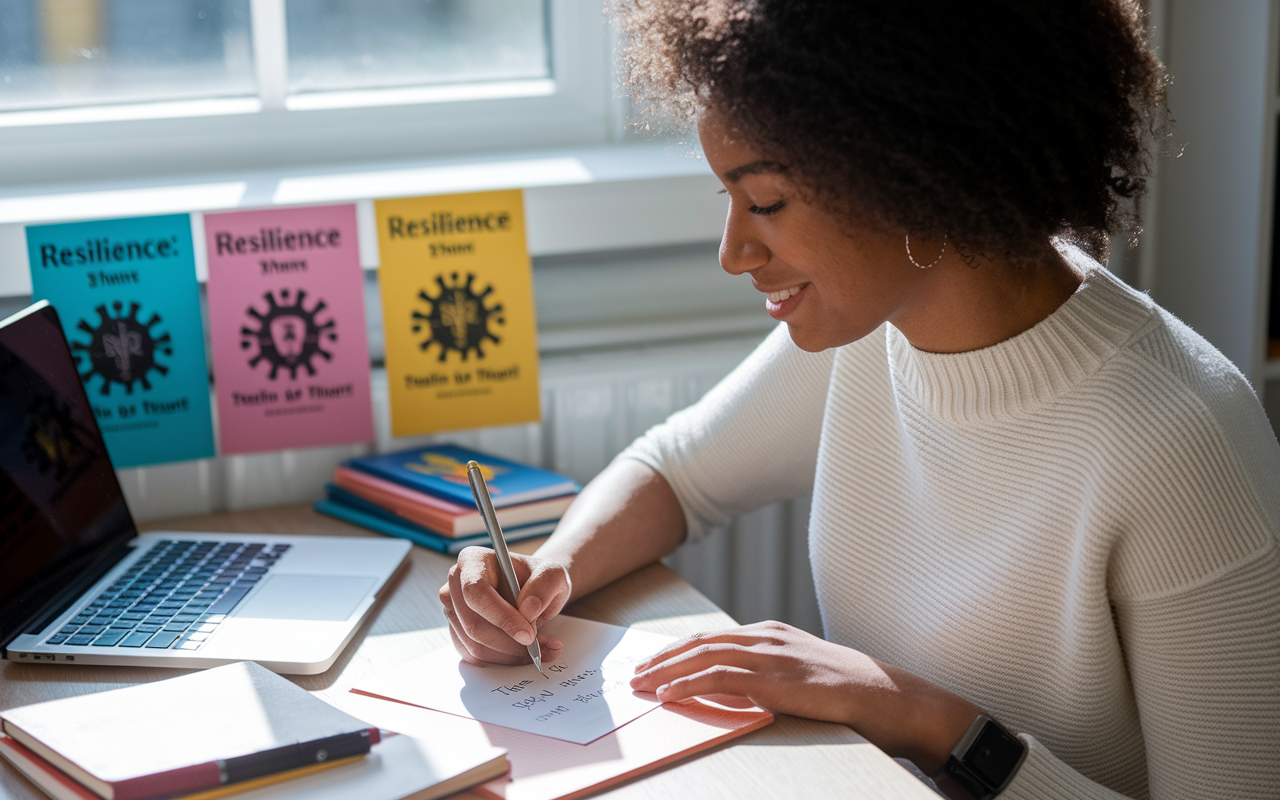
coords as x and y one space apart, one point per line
931 263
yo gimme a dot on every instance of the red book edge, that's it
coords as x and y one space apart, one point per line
175 781
11 748
184 780
431 512
441 516
190 779
42 773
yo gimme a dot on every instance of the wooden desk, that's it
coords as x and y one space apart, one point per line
791 758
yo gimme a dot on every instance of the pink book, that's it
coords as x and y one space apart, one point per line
449 519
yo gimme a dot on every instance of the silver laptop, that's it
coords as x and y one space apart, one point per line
79 585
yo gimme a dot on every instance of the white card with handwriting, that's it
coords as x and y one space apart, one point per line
586 692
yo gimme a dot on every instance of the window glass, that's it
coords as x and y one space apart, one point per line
360 44
58 53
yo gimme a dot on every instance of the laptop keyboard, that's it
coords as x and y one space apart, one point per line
173 598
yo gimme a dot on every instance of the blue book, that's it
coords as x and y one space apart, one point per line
403 529
441 470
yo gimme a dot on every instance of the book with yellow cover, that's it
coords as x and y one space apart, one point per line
458 313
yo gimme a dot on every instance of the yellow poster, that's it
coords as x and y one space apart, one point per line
457 309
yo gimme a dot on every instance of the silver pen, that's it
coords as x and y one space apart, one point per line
508 587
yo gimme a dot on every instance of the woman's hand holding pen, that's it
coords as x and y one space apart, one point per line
624 519
784 669
485 627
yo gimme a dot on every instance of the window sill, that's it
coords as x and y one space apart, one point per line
302 101
413 95
578 200
205 107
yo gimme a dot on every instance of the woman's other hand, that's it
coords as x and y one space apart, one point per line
486 628
784 669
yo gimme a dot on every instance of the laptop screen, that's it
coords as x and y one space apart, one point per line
60 503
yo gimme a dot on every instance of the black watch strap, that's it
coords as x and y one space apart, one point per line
985 759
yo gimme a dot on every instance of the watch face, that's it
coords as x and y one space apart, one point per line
994 754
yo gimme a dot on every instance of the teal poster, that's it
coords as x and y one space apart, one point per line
127 296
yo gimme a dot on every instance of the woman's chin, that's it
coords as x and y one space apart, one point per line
815 339
807 339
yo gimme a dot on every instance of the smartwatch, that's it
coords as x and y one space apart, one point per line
986 758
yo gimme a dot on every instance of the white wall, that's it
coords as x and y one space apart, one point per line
1213 205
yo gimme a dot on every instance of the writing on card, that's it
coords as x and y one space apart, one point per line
585 694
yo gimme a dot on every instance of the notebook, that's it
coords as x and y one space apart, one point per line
79 584
399 767
198 731
58 784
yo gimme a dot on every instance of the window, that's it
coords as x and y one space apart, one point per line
114 88
362 44
68 53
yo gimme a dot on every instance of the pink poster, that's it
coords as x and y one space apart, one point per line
286 314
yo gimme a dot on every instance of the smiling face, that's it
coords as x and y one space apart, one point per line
832 281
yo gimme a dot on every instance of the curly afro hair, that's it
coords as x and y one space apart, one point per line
1000 124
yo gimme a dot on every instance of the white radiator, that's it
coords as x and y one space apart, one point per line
592 407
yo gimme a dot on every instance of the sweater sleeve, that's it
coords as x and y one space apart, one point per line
1205 666
752 440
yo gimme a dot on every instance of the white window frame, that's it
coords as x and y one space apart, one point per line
575 107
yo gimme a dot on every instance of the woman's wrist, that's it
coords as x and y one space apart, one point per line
952 717
933 721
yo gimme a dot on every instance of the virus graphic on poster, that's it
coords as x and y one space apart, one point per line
54 440
121 349
458 319
288 336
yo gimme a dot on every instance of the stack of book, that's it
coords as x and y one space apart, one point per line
423 495
231 730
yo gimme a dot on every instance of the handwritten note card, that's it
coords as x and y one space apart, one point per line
585 695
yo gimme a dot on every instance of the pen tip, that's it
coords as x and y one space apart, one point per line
537 662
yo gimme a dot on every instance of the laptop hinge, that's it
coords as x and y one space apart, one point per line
64 598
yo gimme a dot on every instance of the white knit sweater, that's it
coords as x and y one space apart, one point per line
1075 529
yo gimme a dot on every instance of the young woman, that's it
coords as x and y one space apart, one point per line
1037 496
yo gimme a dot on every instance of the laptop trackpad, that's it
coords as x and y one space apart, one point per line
321 597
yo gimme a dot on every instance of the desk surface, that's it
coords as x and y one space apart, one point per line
791 758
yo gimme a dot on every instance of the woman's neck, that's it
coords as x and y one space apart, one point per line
962 305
